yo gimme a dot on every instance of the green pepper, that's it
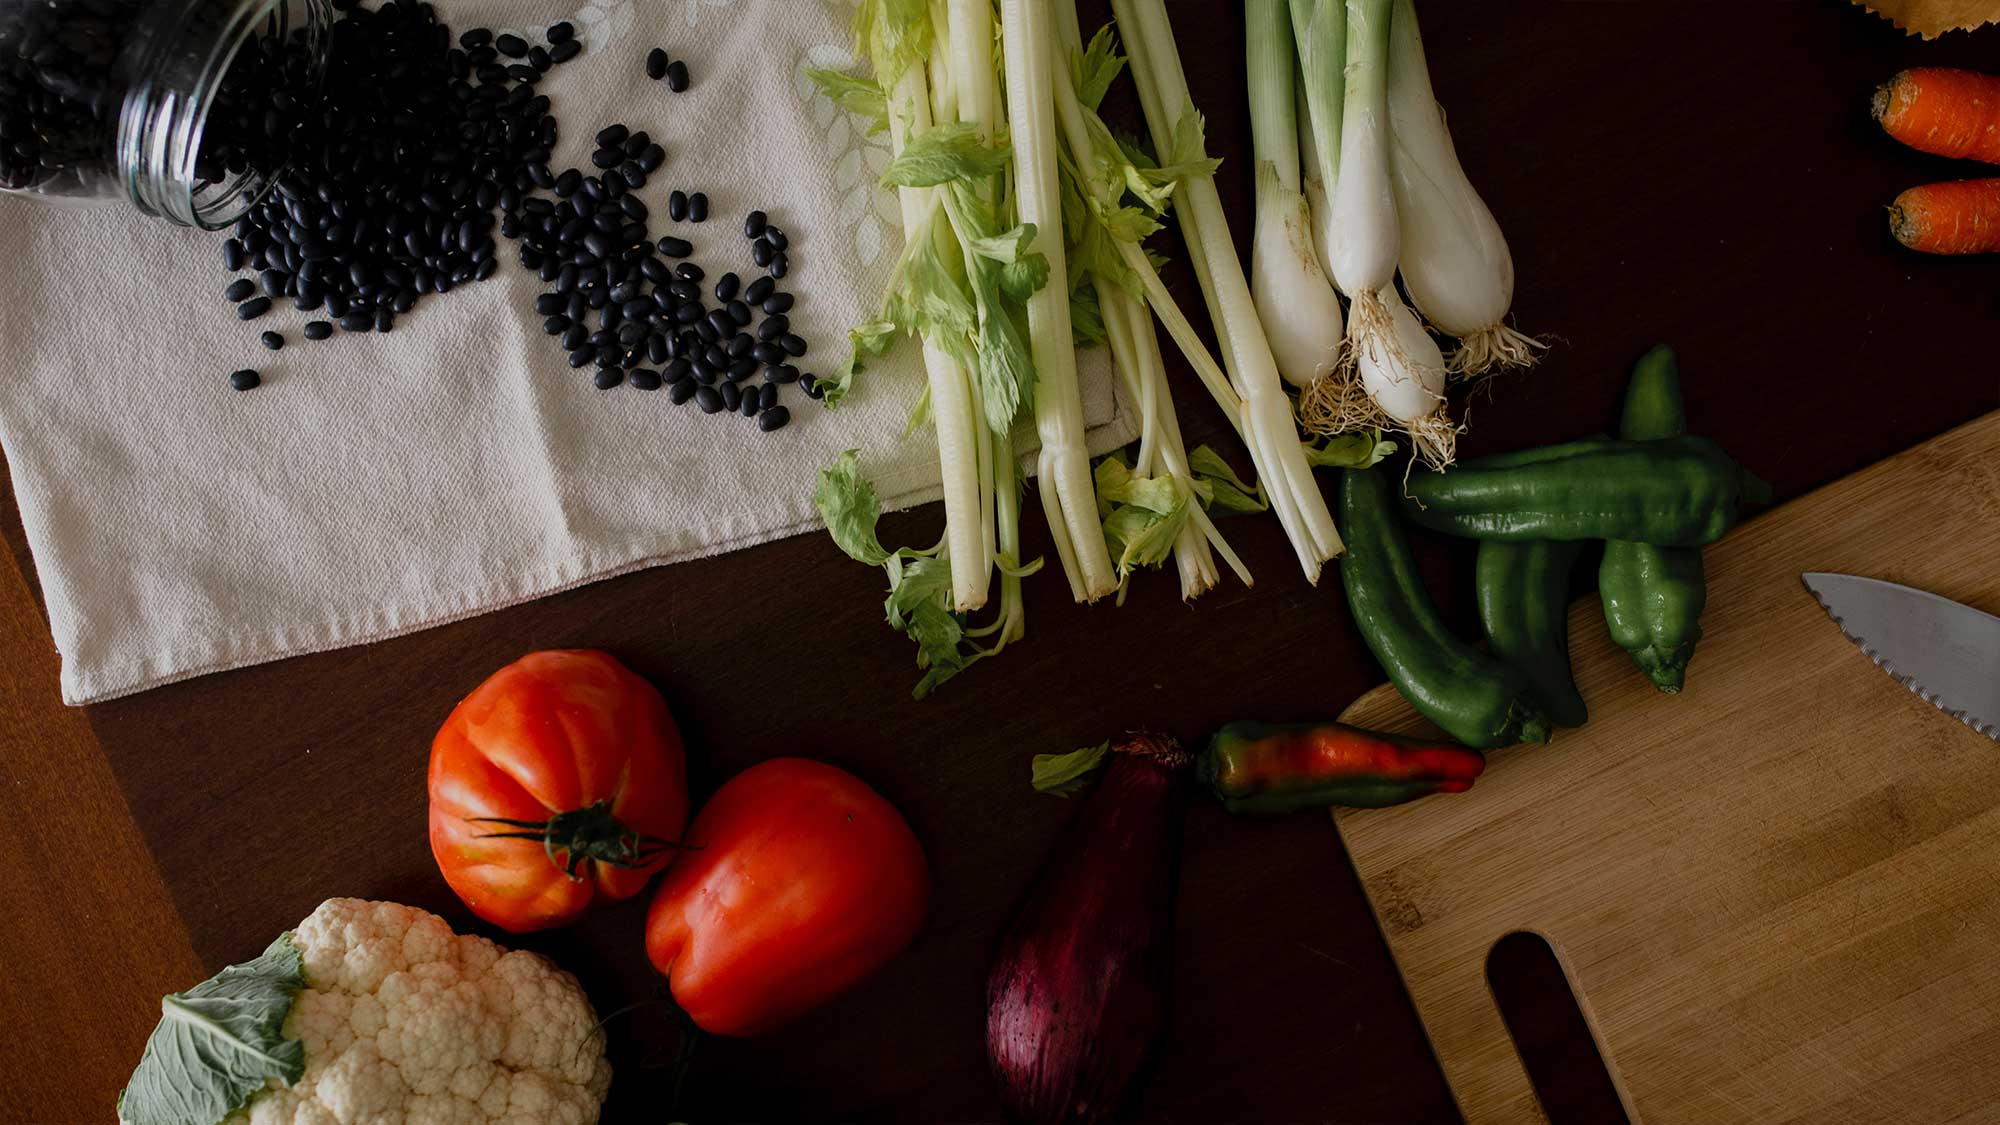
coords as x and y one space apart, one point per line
1523 593
1478 699
1263 769
1653 595
1674 492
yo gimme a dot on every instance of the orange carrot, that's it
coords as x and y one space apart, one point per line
1960 217
1938 109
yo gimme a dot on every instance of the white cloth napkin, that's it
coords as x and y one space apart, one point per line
378 484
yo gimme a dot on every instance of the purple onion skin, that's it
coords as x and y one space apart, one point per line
1078 994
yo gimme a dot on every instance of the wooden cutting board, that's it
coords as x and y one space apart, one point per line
1776 895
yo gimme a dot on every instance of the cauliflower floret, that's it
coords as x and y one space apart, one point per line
407 1023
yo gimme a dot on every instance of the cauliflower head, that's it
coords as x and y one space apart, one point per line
404 1022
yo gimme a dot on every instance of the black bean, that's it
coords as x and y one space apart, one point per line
677 205
676 247
600 244
565 50
706 332
652 158
794 345
406 299
272 340
776 238
724 326
610 355
577 306
779 266
544 179
774 418
336 305
644 379
242 289
741 368
761 253
739 311
632 333
607 157
752 401
685 291
766 352
708 399
523 72
253 308
634 208
615 187
513 46
754 223
698 207
244 380
781 373
308 298
632 233
688 271
656 348
384 320
581 357
556 325
732 395
317 330
476 38
654 270
633 175
811 385
549 304
233 254
540 59
777 303
602 338
677 76
639 308
774 327
759 290
608 377
567 183
656 64
357 322
561 32
716 357
767 396
681 390
273 283
739 345
687 314
574 337
488 266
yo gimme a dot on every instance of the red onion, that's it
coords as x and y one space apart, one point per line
1078 994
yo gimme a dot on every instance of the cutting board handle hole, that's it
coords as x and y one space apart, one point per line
1554 1041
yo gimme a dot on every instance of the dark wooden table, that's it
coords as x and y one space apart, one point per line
1703 174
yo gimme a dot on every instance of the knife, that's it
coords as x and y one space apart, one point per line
1947 653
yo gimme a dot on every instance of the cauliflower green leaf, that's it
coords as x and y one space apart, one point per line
219 1044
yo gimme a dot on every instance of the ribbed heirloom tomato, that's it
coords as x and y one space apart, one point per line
558 779
799 881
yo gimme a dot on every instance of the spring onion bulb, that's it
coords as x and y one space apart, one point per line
1403 373
1069 498
1319 32
1454 259
1365 238
1267 421
1301 315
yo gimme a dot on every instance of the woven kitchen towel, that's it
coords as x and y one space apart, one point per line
378 484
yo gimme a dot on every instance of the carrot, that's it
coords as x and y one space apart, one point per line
1945 111
1960 217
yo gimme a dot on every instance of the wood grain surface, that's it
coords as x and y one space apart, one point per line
1646 196
1777 893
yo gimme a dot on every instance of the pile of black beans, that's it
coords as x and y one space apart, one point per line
399 165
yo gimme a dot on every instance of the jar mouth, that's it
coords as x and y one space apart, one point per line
166 112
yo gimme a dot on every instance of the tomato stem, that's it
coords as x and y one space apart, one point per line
589 833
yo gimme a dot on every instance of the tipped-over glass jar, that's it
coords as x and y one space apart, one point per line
183 108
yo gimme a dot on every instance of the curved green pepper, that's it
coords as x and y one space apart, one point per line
1478 699
1263 769
1523 592
1675 492
1653 595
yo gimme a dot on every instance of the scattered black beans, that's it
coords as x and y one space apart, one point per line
779 267
565 50
608 377
776 238
253 308
754 224
794 344
677 205
677 76
727 286
774 327
751 401
318 329
698 207
644 379
775 418
652 157
242 289
656 64
244 380
708 399
758 291
767 396
681 390
560 32
777 303
732 396
272 340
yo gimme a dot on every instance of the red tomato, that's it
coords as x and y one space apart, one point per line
799 881
558 779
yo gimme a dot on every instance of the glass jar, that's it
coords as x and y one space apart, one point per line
179 107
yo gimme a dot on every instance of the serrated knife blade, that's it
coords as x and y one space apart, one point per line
1945 652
